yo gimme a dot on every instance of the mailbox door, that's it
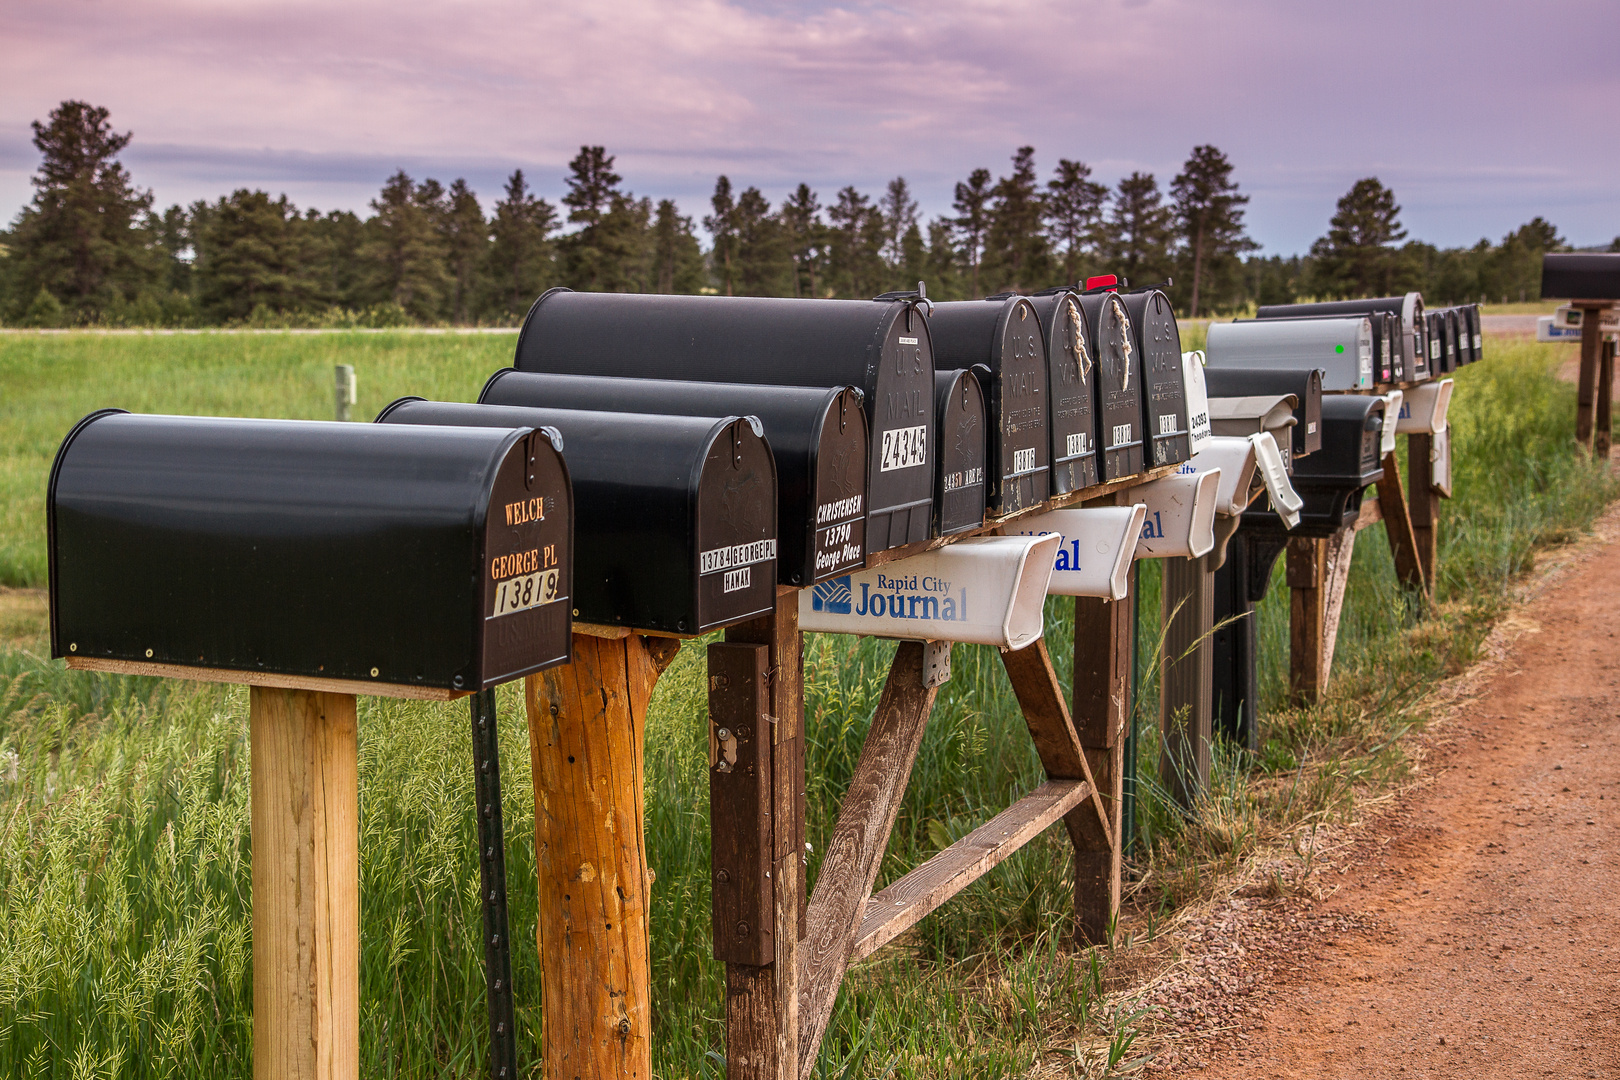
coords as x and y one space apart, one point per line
1069 369
838 524
528 578
883 347
1119 382
1164 397
960 499
736 526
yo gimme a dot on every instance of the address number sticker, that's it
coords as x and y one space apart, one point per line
529 591
1077 444
1024 460
904 448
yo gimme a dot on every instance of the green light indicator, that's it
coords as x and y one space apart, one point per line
1338 348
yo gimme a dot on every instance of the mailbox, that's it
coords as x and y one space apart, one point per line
675 516
1331 480
987 590
1305 384
1118 382
1445 322
1180 517
959 418
1070 368
1423 409
1164 393
1408 308
1440 355
1340 347
999 339
1580 276
393 560
818 437
880 346
1096 547
1243 416
1198 429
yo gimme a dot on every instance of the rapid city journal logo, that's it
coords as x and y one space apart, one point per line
893 596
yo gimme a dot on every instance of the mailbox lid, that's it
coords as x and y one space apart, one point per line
667 508
1118 383
1580 276
881 346
1340 347
959 499
999 338
1304 383
1164 392
1069 371
818 436
323 550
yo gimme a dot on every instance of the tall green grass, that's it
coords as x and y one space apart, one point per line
124 919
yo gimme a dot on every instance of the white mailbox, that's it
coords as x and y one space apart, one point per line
984 591
1341 348
1192 376
1096 546
1424 410
1180 518
1392 412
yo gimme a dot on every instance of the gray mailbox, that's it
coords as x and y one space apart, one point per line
1341 347
1407 307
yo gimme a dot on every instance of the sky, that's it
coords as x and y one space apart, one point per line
1479 115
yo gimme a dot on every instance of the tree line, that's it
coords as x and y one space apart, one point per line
90 248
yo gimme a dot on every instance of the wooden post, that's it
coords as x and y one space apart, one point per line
1603 430
1186 708
587 723
1318 571
1397 515
306 885
1586 391
762 992
1423 503
1102 708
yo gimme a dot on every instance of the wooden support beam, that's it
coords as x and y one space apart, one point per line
908 901
855 851
762 1000
306 885
1186 709
1102 708
1397 518
1603 426
1318 570
1586 390
1423 502
1040 698
587 724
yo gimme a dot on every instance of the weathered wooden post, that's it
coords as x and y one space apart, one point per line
1602 438
1592 283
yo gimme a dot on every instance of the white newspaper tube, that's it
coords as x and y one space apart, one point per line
1392 413
984 591
1279 488
1424 411
1180 518
1197 391
1096 546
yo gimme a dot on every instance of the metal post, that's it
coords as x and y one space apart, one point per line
492 874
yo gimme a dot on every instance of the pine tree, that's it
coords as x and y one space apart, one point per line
677 257
522 256
1074 204
250 254
942 267
763 264
612 251
466 244
972 221
1015 254
1357 257
404 249
722 226
899 212
332 261
855 245
175 239
592 183
806 238
79 238
1512 274
1141 229
1210 213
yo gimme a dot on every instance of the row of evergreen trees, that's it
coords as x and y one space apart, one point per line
90 248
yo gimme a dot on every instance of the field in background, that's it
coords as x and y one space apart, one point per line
124 941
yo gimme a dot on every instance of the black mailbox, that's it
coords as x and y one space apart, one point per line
1164 390
817 436
880 346
960 416
1580 276
1119 384
1304 383
421 559
1069 364
1332 479
999 339
1476 336
1407 309
1442 343
676 515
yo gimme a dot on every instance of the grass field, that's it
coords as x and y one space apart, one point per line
124 925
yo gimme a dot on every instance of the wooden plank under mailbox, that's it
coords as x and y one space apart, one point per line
742 848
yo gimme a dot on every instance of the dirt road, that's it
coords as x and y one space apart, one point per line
1477 928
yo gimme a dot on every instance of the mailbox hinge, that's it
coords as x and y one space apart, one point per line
492 874
936 663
